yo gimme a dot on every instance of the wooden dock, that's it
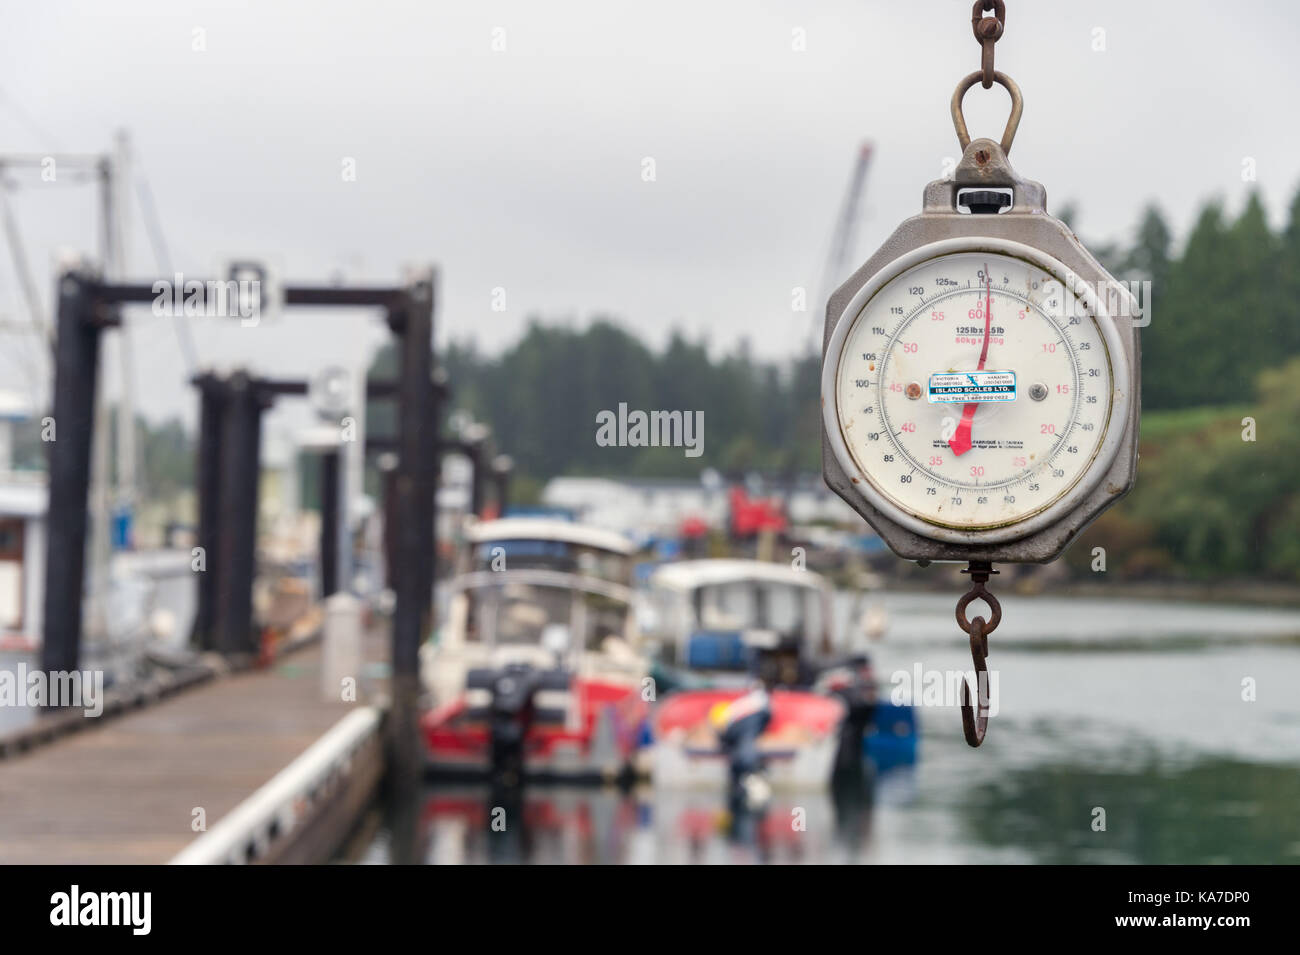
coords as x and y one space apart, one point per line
126 791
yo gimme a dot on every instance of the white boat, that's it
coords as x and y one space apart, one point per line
23 502
513 543
148 599
540 640
704 620
718 629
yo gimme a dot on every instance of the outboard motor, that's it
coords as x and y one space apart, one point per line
780 661
740 724
513 711
853 683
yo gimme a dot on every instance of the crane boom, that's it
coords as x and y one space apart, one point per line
844 240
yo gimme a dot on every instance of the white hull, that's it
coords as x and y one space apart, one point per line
807 767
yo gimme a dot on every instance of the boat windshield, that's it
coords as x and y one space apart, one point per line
529 554
748 604
536 615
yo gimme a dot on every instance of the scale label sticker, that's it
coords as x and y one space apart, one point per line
966 386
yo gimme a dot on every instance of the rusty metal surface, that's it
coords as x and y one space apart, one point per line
126 792
1013 120
975 726
987 30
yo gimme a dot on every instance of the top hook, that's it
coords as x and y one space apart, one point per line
1013 121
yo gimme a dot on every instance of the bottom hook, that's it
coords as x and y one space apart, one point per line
974 727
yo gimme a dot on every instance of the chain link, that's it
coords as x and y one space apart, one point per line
988 30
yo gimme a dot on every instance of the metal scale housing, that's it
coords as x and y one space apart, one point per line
984 165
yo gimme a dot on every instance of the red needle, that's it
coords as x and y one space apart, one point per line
960 440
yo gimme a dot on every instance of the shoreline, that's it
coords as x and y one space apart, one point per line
1241 593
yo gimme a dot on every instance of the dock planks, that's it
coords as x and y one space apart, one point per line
125 791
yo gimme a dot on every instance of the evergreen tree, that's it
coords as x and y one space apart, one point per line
1148 260
1253 310
1182 348
1288 283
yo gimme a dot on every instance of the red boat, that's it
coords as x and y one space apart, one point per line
536 672
578 728
798 745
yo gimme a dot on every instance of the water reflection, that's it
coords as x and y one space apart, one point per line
565 825
1213 812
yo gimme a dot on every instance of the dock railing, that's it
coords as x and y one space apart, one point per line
304 811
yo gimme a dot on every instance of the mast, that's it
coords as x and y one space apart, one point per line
116 267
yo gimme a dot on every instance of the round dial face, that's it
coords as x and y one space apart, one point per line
974 390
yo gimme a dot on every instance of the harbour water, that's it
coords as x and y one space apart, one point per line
1127 731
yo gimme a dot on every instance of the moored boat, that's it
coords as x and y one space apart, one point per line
795 749
725 633
537 672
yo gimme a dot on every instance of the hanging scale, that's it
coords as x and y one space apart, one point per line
980 376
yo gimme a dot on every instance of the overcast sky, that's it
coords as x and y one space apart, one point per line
522 168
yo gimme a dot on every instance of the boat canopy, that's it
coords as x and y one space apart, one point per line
559 580
705 613
693 574
546 529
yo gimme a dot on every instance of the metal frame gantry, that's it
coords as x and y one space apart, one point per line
228 472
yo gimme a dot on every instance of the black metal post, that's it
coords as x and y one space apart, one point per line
212 405
416 485
387 465
478 481
76 367
502 465
329 522
229 470
237 534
